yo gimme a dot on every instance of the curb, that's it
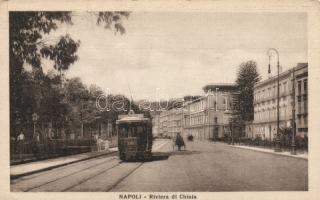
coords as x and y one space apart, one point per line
16 176
276 154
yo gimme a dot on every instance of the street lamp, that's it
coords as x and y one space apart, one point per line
269 52
216 126
208 111
217 99
34 119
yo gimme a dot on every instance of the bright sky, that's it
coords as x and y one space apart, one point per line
172 54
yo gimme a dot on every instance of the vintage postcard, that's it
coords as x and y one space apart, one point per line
160 100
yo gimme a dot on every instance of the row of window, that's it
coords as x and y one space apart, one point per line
302 84
270 115
302 120
272 91
302 107
301 103
201 119
210 101
282 102
302 88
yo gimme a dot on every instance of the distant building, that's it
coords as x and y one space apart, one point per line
207 117
301 79
264 124
155 125
170 122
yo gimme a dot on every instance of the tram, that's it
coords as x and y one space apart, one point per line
134 137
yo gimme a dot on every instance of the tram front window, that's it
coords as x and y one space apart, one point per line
122 131
130 131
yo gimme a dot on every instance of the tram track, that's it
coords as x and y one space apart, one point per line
81 182
33 176
107 173
122 178
68 175
159 145
119 180
73 188
84 179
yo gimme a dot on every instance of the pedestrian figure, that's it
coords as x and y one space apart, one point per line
190 137
99 143
106 144
20 140
35 144
96 140
180 142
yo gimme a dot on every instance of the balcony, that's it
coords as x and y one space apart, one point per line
272 96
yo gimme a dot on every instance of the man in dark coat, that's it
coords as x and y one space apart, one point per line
179 141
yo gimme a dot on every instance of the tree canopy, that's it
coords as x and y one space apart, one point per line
247 77
29 44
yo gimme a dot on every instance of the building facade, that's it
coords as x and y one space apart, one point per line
264 124
170 122
208 116
301 93
155 125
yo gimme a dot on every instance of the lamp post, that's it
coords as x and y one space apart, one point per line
216 108
269 52
34 119
216 99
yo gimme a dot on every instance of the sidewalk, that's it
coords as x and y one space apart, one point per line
17 171
271 151
300 155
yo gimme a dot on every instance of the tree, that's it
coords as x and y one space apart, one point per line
247 77
242 104
76 91
236 122
28 44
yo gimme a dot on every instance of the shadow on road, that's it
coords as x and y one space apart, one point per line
183 152
164 156
159 156
156 156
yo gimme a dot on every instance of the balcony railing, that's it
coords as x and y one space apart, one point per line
270 97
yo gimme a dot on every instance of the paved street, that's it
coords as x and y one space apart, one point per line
203 166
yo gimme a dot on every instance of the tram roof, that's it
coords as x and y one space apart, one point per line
130 119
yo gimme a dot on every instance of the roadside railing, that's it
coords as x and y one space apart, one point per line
26 151
301 143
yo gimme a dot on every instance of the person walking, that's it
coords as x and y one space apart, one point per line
36 145
180 142
96 140
99 144
20 140
173 143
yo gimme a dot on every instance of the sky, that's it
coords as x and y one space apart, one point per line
166 55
